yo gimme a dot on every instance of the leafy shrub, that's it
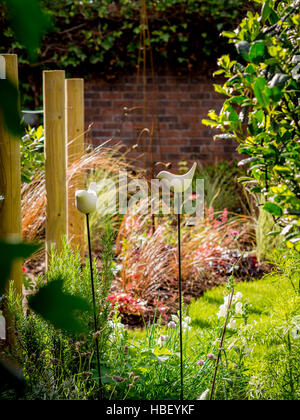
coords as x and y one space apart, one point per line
221 188
59 364
32 154
261 110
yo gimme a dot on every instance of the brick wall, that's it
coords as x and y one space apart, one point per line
180 102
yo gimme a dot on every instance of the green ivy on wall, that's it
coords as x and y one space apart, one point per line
102 37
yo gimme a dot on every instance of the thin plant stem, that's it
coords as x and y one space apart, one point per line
221 345
94 308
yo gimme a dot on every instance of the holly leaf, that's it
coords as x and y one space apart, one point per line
59 308
9 252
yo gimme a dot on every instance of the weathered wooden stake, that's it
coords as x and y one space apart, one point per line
56 163
10 190
75 148
10 179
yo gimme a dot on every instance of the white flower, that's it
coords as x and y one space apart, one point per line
226 299
232 324
238 296
222 311
161 339
185 326
175 318
239 308
204 395
86 201
188 320
172 324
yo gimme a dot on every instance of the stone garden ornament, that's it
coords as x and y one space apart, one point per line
179 184
86 202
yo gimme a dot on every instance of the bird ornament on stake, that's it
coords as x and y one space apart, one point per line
86 202
179 184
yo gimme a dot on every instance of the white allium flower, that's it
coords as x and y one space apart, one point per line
187 319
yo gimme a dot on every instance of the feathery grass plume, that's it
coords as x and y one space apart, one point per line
148 258
104 161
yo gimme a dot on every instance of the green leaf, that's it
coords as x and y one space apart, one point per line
283 169
238 99
209 123
29 23
261 91
265 11
9 107
228 34
257 51
278 80
273 208
58 307
243 48
9 252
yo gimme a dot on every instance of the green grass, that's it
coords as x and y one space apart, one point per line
260 294
262 356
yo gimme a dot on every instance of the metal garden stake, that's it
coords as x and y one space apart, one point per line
179 183
86 202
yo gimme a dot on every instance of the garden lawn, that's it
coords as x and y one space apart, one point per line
261 359
260 294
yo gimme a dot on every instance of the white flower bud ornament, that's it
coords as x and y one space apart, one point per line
179 183
86 201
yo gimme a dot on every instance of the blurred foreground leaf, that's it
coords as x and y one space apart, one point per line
10 251
59 308
11 377
28 22
9 105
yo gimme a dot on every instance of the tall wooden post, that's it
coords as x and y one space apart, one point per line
10 179
55 154
75 141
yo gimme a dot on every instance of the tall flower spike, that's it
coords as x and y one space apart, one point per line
86 201
179 183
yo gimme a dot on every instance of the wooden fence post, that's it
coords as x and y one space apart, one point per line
55 156
75 150
10 179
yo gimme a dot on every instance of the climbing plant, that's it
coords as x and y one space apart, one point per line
262 108
102 37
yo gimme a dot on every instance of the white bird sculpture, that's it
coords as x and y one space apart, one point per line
179 183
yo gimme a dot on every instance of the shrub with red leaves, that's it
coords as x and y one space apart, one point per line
127 304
